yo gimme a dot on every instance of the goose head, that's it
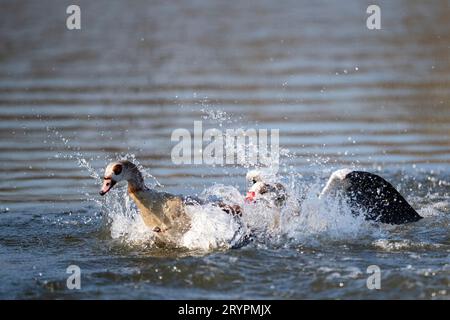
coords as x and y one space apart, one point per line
118 171
255 184
261 185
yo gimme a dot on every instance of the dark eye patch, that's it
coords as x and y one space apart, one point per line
264 189
117 169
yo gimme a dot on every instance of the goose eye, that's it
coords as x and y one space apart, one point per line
117 169
264 189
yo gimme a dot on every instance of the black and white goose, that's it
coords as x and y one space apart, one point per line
262 188
364 191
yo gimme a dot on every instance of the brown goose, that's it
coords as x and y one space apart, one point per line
163 212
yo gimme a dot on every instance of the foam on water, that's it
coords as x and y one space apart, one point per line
403 244
124 220
212 228
326 217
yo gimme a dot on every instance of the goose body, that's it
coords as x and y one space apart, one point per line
164 213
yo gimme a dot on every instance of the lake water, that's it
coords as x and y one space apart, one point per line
341 96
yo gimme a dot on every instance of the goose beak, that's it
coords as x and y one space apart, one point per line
250 196
107 185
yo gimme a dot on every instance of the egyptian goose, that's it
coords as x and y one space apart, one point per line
163 212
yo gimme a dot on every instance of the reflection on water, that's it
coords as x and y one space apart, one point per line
340 94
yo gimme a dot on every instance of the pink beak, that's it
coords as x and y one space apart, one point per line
250 196
108 183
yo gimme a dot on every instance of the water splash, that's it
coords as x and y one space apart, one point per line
304 219
73 153
124 221
212 228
